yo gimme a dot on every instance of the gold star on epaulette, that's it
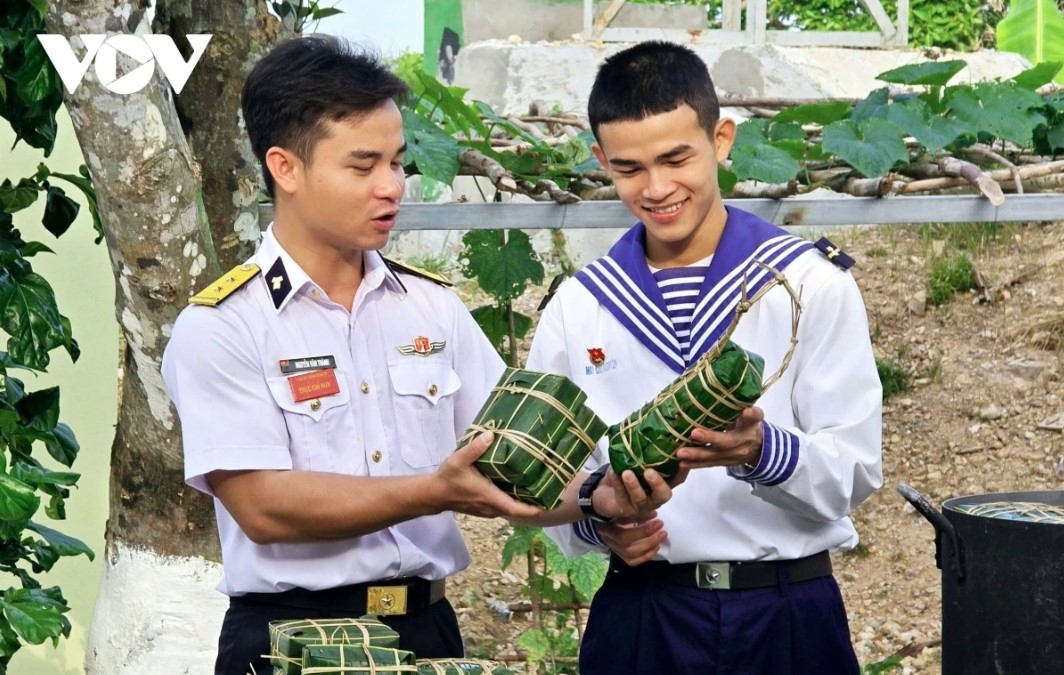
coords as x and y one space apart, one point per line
416 271
224 286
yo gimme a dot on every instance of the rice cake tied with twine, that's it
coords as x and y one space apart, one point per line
461 667
343 659
289 639
710 394
1028 512
544 433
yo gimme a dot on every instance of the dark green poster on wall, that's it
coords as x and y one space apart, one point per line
443 37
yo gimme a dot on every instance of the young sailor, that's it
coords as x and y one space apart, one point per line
733 575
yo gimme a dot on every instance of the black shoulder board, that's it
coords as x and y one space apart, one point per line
225 285
405 268
834 253
554 284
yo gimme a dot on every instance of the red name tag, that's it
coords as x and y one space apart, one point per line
314 385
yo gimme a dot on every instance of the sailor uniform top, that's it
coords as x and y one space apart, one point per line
411 367
822 450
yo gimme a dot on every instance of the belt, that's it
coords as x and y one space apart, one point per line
391 596
721 576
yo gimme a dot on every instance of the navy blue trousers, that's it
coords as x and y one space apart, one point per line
652 627
245 637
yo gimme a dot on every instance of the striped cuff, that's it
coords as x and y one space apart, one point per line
585 531
779 457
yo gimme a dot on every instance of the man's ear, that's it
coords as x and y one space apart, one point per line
724 137
600 156
285 168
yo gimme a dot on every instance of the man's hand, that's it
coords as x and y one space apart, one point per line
465 490
624 496
633 542
739 444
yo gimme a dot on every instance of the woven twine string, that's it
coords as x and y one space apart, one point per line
702 371
556 465
372 667
439 666
1028 512
338 626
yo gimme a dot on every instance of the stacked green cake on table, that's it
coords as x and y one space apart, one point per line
352 646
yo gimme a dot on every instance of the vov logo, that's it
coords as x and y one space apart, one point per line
102 52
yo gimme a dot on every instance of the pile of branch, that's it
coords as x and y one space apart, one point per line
980 169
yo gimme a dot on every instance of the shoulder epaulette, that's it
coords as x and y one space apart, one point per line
416 271
555 284
834 253
225 285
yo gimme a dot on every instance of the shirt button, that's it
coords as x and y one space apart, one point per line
315 405
377 456
365 388
315 293
432 390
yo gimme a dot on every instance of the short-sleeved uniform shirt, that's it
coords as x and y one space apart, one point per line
412 370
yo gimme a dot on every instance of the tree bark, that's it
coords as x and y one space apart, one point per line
157 607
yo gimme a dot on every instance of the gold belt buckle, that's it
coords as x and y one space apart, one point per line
386 600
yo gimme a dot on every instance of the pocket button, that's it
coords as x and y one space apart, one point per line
315 405
433 389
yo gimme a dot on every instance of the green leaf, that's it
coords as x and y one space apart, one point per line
535 644
933 73
785 131
326 12
493 321
32 248
40 409
29 315
1000 109
874 105
36 477
84 183
751 132
35 78
1039 75
870 146
726 180
434 153
1055 137
459 116
502 270
814 113
519 542
61 444
587 573
40 5
59 211
34 616
764 163
933 132
17 197
63 544
1035 30
18 503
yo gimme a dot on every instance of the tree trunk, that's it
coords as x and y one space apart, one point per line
157 610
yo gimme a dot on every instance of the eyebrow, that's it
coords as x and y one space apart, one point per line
663 157
373 154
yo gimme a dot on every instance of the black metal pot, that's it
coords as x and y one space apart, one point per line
1002 586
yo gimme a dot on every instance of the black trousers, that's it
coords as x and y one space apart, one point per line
244 644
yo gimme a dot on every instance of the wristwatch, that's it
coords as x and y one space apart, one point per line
583 499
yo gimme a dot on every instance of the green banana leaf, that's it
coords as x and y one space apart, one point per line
338 658
1034 29
289 639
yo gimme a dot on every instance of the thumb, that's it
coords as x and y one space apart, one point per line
476 447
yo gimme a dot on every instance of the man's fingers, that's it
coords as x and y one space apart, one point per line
475 448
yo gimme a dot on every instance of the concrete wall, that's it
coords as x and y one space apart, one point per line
535 20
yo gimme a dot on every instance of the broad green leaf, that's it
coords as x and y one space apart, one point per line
40 409
587 573
870 146
535 644
326 12
1035 30
785 131
35 77
874 105
518 543
9 641
18 503
29 315
61 444
434 152
764 163
814 113
40 5
503 270
753 131
458 115
726 180
59 211
933 73
1000 109
64 545
34 616
1055 137
17 197
933 132
69 343
32 248
84 183
1039 75
37 476
492 320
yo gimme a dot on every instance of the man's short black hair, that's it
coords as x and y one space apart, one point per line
651 78
303 83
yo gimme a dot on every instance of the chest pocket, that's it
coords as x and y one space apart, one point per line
424 409
321 430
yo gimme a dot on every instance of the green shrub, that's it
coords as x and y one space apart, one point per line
949 275
893 377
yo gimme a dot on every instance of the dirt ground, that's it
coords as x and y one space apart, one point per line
982 414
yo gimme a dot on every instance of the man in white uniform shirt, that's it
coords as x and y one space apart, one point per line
321 389
734 573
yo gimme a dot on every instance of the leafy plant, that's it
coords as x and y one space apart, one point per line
888 665
949 275
893 377
30 95
1035 30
